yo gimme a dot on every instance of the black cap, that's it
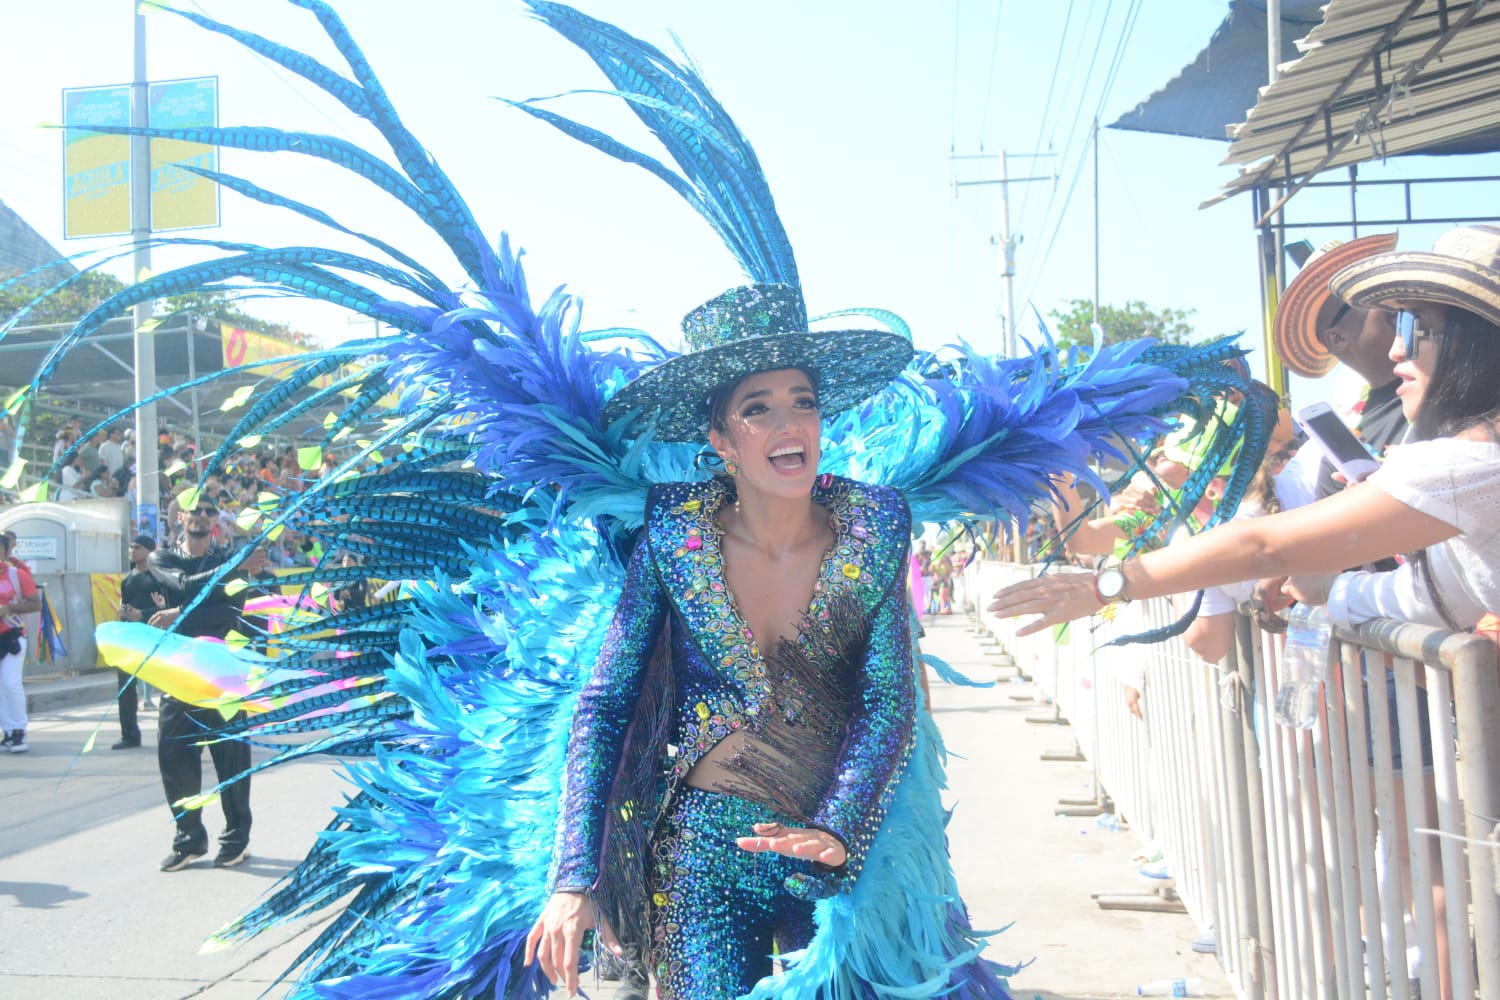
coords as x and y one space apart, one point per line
144 541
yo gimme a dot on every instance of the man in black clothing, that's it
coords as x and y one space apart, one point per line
138 593
1315 331
185 571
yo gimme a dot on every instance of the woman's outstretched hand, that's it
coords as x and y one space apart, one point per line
557 936
795 842
1053 599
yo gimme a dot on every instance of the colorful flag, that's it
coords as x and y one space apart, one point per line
52 648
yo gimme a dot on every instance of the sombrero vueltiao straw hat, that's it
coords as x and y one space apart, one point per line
1295 331
750 329
1462 270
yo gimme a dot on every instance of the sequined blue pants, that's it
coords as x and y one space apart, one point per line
717 910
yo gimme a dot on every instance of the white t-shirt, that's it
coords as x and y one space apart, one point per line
112 455
1456 481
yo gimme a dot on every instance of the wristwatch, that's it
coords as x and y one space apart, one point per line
1109 584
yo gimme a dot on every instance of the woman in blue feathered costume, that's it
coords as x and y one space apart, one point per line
523 754
756 692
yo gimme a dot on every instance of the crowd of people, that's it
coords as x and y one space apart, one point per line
105 466
1413 541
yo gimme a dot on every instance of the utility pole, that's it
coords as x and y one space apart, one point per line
1272 236
1095 140
147 485
1008 241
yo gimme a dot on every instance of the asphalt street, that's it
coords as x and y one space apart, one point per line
84 912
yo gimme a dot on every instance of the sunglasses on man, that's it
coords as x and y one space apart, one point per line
204 512
1411 330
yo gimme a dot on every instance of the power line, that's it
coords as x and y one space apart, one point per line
953 106
1128 29
948 271
1041 125
1092 61
989 82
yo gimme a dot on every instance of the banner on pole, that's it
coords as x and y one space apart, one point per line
181 199
96 168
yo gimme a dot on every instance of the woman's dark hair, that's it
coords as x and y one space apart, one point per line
718 400
1464 390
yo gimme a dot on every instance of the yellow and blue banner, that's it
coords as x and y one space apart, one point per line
96 168
181 199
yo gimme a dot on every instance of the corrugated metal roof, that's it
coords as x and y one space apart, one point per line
1376 78
1222 83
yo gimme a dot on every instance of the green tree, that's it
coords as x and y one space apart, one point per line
1130 322
88 290
63 306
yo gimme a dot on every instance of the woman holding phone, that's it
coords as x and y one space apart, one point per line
1435 497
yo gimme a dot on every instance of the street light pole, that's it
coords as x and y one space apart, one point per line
147 480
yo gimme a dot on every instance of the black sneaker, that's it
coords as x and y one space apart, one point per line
180 859
228 857
127 745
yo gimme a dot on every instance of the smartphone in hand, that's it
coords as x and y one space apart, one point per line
1338 442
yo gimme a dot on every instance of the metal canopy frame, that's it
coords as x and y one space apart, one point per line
1377 78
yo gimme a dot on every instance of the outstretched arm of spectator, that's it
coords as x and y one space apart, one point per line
1348 529
1091 538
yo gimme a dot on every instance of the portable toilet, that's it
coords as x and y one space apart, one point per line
64 543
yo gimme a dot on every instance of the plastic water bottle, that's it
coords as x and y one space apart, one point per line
1304 665
1192 986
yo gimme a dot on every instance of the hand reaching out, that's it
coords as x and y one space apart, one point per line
795 842
1050 600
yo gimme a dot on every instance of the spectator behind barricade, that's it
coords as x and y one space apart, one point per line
924 559
61 442
112 451
1211 633
1131 511
1435 497
90 451
72 479
1314 331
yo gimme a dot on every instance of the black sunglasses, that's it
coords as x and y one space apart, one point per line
205 511
1410 329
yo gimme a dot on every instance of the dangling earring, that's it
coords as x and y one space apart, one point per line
733 469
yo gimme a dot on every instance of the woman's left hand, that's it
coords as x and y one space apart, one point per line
1310 589
795 842
1054 599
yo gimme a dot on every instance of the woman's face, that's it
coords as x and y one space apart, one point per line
1415 373
771 432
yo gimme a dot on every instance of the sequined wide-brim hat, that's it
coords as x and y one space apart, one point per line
750 329
1461 270
1295 331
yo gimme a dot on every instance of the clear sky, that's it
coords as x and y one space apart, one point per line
854 107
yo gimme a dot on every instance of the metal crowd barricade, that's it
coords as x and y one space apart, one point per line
1328 858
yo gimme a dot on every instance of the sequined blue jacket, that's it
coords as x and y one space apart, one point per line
677 629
